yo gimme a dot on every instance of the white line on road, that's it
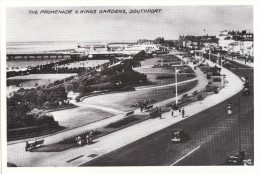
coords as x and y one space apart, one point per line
185 156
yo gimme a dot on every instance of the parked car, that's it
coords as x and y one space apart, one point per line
238 159
179 136
246 91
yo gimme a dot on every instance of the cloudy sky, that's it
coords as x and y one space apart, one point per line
169 23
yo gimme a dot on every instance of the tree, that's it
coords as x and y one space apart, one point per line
159 40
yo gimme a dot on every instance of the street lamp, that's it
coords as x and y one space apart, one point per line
176 86
209 52
222 80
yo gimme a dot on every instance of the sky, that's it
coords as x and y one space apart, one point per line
171 22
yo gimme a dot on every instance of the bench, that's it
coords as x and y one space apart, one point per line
185 95
154 113
148 107
195 93
129 113
32 145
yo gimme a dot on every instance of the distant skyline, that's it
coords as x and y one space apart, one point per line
171 22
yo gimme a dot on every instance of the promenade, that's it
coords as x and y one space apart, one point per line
250 64
106 144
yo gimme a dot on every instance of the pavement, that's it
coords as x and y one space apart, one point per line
111 142
250 64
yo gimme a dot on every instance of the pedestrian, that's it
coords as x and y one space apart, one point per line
172 111
180 111
159 111
79 141
183 113
87 139
90 134
90 137
27 146
141 107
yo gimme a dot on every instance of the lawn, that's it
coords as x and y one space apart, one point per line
122 101
34 80
86 63
43 76
79 116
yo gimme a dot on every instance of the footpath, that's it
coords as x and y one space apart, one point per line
250 64
111 142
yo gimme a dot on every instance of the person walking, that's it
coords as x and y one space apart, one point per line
179 111
87 139
160 112
90 137
141 107
79 141
183 113
172 111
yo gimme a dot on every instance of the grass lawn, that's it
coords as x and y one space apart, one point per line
79 116
43 76
123 101
85 63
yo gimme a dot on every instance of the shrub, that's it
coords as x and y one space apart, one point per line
217 79
200 97
122 122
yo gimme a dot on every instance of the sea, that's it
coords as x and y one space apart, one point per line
42 46
35 47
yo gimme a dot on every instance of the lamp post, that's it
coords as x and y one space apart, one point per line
176 86
222 80
209 53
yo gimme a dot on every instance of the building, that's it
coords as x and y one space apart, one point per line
231 40
149 49
192 43
92 47
245 48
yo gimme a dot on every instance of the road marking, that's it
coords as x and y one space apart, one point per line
73 159
185 155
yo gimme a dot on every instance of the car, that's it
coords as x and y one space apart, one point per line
237 159
179 135
245 91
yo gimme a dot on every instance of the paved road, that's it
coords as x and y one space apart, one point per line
214 134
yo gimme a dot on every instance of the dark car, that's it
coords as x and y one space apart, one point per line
238 159
179 136
246 91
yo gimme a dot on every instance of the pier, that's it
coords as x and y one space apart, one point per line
28 56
